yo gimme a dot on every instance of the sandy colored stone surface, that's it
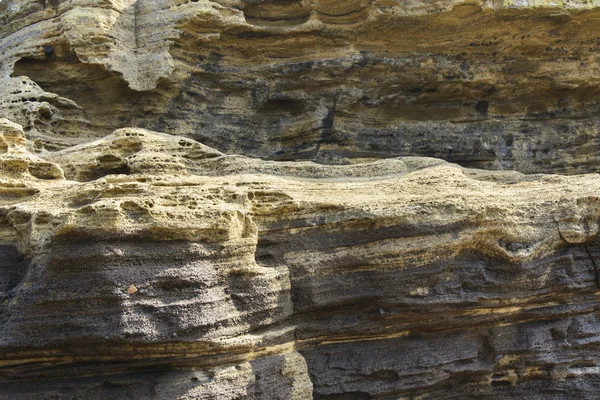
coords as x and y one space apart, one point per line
273 199
506 85
257 279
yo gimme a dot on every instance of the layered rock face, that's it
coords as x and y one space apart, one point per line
275 199
504 85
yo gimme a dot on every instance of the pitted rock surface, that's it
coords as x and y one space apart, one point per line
321 199
495 85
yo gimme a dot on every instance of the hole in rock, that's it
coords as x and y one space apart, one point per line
482 107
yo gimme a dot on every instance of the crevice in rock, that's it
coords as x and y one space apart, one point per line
327 132
136 29
594 264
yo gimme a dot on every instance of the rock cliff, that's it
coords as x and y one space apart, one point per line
277 199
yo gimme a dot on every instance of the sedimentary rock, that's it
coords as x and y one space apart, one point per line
259 279
269 199
503 85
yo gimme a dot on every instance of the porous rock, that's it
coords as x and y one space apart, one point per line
497 85
299 199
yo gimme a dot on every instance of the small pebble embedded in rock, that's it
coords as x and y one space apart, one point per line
132 289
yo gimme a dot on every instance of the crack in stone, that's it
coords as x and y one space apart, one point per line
558 230
596 270
327 125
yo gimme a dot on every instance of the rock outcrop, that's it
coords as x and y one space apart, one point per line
433 232
163 268
501 85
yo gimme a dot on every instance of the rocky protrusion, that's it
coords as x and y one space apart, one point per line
16 161
12 137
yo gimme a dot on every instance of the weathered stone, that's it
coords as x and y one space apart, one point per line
395 284
502 85
155 245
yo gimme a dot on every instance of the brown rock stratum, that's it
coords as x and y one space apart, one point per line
277 199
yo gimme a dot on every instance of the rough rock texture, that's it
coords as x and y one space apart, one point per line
503 84
430 235
164 269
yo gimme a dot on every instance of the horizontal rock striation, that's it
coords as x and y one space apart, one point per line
183 272
494 85
273 199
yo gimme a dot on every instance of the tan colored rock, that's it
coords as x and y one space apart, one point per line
16 161
272 199
132 289
239 261
11 136
497 85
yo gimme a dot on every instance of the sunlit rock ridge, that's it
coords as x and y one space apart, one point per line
308 199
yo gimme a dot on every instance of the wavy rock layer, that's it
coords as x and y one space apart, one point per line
162 268
501 85
400 252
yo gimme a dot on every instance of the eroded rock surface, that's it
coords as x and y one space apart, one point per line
500 85
269 199
161 268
